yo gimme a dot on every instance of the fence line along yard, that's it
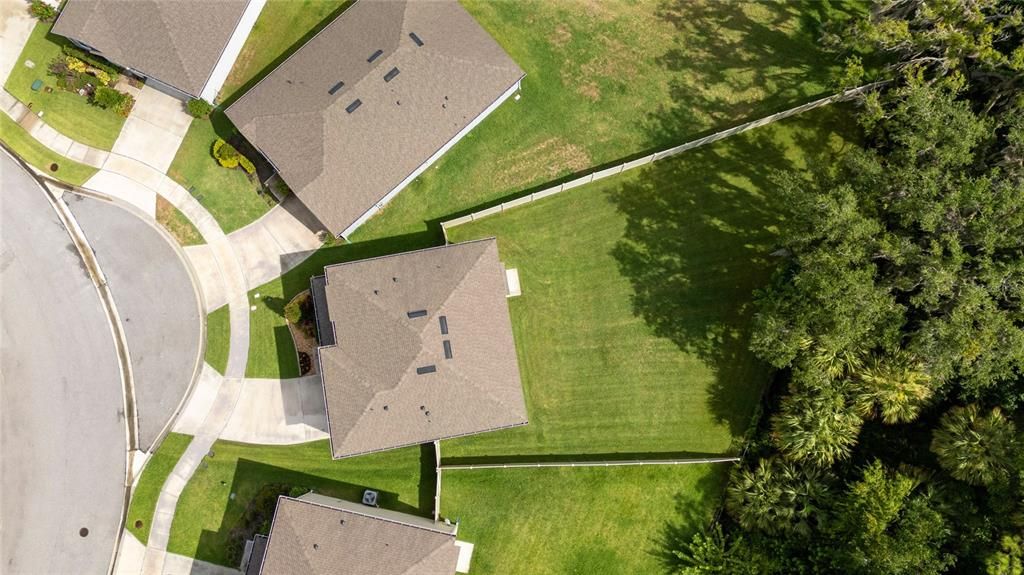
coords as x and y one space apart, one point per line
618 169
589 463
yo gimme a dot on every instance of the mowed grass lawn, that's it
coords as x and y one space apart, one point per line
604 81
593 521
30 150
218 338
216 497
632 330
67 112
159 467
283 26
230 196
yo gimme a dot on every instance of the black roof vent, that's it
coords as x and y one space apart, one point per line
334 89
355 104
416 38
375 55
444 325
447 349
391 75
416 313
426 369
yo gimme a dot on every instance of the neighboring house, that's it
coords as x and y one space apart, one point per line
371 101
417 347
187 46
315 535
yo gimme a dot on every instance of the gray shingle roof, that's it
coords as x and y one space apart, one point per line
375 397
341 164
316 535
178 42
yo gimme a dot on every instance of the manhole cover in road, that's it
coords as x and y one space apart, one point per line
83 532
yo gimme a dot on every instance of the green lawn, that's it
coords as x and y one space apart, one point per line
231 198
593 521
159 467
632 329
40 156
604 82
67 112
283 27
218 338
207 513
176 223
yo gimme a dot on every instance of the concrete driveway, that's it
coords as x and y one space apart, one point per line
154 130
62 433
15 28
159 307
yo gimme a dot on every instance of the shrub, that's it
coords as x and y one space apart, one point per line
199 108
102 77
76 65
246 164
225 154
42 11
299 312
111 99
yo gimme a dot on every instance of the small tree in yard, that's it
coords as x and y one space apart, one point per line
199 108
111 99
42 11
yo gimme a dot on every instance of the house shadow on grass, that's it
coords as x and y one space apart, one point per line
256 487
699 232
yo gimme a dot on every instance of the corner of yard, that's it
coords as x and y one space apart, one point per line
30 150
67 112
231 197
147 491
233 492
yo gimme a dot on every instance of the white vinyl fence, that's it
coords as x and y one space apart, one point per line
618 169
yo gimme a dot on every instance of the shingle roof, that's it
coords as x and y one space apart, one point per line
376 399
341 164
177 42
316 535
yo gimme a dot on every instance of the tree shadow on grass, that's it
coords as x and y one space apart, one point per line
224 546
700 230
742 60
691 519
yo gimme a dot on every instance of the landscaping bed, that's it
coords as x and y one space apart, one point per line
71 114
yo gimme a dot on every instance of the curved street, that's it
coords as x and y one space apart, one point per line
63 431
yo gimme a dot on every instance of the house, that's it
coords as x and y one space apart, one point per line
187 48
417 347
315 534
371 101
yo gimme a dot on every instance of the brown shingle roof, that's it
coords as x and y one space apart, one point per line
375 397
316 535
177 42
341 164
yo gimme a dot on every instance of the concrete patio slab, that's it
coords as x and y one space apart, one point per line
278 412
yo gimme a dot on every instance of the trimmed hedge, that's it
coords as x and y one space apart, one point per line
228 157
199 108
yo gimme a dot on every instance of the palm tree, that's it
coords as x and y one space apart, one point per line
895 386
777 496
975 447
818 423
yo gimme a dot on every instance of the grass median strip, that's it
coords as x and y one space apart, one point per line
176 223
159 467
218 338
30 150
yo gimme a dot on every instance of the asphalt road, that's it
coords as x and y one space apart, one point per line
62 433
159 309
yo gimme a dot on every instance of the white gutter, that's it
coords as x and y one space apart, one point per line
232 50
